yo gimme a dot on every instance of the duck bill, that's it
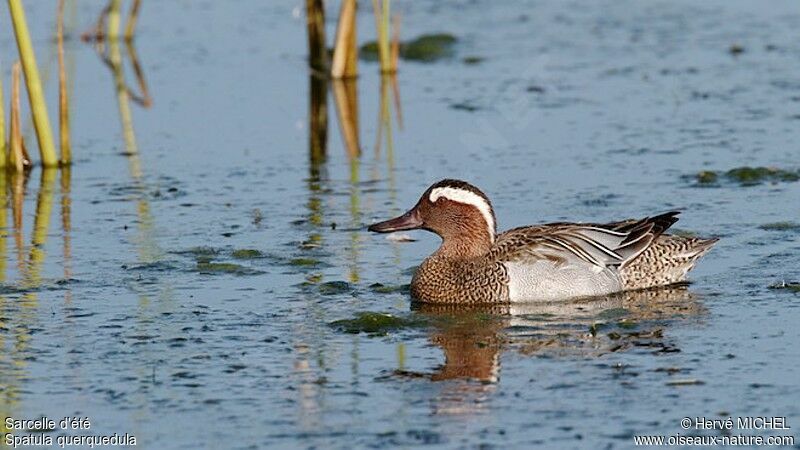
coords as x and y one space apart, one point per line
408 221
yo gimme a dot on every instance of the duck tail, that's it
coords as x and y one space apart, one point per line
666 261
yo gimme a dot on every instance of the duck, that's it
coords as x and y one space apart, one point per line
547 262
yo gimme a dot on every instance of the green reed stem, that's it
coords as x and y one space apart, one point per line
114 19
41 120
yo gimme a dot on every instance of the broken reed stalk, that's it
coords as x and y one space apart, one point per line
315 24
15 134
133 16
41 121
3 147
63 100
345 52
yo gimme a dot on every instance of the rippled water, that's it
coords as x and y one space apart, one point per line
188 282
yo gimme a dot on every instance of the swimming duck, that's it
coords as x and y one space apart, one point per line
545 262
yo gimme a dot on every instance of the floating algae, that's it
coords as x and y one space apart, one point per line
334 287
375 323
303 262
791 286
426 48
781 226
745 176
208 267
246 253
387 288
749 176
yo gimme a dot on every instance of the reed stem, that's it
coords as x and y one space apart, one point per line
41 120
315 23
15 138
345 53
3 146
133 16
63 100
114 19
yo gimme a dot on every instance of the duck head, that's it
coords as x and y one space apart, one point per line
457 211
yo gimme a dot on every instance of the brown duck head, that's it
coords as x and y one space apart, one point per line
457 211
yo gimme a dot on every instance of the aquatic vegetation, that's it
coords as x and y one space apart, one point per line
426 48
790 286
334 288
745 176
429 47
201 251
613 313
209 267
472 60
707 177
781 226
388 289
465 106
736 49
246 253
304 262
376 323
748 176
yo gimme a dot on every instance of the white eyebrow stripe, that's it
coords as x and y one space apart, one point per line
468 198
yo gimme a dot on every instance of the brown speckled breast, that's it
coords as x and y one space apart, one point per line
440 280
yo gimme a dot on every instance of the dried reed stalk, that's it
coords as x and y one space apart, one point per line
315 24
18 159
63 100
345 53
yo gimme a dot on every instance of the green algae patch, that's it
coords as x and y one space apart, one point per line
744 176
613 313
781 226
334 287
750 176
208 267
369 51
303 262
429 47
426 48
790 286
473 60
246 253
707 177
375 323
388 288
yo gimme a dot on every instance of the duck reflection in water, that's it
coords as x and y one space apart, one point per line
474 338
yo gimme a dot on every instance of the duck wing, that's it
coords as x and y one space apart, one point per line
601 246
